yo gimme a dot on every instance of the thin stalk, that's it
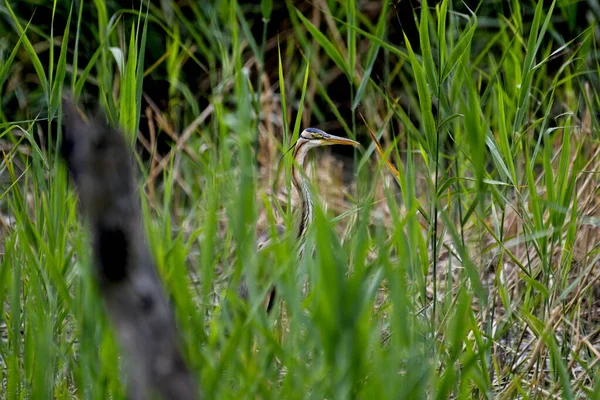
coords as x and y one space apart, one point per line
261 70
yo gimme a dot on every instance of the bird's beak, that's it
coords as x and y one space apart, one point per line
331 139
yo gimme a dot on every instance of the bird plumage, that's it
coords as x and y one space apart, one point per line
308 139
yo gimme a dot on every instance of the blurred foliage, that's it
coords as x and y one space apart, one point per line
470 271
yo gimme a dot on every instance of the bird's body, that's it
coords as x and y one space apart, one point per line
308 139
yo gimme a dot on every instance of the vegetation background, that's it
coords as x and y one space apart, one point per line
469 272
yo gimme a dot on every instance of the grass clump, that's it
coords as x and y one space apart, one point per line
469 271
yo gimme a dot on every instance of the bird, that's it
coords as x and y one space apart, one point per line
310 138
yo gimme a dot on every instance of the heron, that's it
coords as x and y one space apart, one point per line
308 139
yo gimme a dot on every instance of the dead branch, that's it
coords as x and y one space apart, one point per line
101 165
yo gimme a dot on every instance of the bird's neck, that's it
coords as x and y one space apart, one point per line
302 186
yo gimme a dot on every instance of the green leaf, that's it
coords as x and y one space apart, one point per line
558 360
458 51
127 92
139 76
9 61
35 60
61 70
537 285
536 36
426 47
424 100
351 35
449 119
92 63
33 143
326 44
298 122
372 56
505 152
266 7
442 16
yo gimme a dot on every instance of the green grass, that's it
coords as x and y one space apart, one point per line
471 272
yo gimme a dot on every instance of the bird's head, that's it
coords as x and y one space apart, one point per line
313 137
